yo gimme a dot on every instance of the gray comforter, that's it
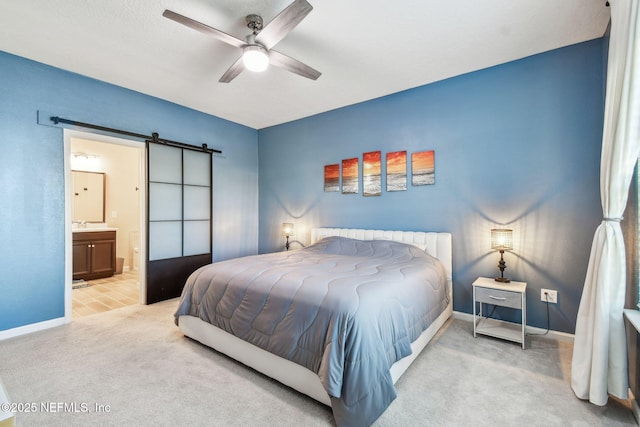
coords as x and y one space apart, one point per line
345 309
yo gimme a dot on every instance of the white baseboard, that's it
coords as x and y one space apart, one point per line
557 335
33 327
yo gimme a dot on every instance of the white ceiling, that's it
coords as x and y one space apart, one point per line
364 48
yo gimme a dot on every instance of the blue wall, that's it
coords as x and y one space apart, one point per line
516 145
32 176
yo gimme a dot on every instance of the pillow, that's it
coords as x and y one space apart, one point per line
422 246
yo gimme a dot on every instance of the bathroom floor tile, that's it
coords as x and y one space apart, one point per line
102 295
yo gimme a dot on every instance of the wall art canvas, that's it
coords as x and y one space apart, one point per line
397 171
423 170
371 174
332 178
350 176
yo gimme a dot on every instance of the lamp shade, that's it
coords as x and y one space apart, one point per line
287 229
255 58
501 239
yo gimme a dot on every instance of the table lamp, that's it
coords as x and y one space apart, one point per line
287 230
502 240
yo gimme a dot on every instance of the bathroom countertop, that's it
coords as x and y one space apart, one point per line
90 229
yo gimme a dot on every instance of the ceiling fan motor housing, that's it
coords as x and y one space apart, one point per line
254 22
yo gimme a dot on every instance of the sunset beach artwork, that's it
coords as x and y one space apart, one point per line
397 171
332 178
423 170
371 174
350 176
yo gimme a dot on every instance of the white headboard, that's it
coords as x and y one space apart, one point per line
435 244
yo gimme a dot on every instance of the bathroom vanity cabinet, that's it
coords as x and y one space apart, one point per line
94 254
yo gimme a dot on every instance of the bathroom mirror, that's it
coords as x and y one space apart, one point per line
88 196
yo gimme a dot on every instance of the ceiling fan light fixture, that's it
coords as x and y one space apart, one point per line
255 58
257 53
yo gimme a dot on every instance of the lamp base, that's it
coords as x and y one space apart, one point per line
502 279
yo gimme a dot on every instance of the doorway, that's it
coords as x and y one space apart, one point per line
122 163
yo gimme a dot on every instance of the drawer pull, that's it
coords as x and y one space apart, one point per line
498 298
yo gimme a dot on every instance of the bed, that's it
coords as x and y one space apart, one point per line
339 320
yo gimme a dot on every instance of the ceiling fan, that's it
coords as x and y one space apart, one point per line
257 52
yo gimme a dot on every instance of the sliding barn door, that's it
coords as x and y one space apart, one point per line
178 217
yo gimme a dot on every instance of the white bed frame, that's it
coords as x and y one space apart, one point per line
297 376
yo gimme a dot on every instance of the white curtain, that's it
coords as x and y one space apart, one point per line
599 366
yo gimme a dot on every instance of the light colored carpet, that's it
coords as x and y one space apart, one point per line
136 361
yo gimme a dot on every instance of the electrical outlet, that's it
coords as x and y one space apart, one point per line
551 296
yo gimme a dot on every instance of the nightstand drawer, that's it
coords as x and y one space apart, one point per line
499 297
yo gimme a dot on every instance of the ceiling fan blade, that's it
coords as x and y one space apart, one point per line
286 21
283 61
233 71
220 35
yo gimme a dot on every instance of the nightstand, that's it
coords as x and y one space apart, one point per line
512 295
